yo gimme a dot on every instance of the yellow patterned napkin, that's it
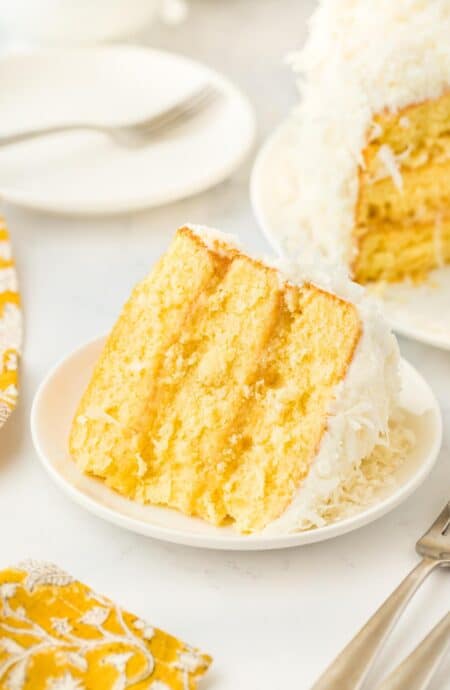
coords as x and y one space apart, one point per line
10 327
57 634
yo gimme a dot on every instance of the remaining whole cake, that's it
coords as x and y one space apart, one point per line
371 153
236 391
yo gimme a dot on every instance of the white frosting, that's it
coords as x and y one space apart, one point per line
387 157
211 236
358 417
362 56
97 414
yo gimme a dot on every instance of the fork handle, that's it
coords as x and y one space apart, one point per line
27 135
417 670
349 670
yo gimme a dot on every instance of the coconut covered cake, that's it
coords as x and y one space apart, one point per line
244 393
371 146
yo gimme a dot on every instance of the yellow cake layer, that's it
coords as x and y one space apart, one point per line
236 371
425 191
418 142
393 252
416 127
120 394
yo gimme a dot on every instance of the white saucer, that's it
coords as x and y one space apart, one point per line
418 312
84 172
54 407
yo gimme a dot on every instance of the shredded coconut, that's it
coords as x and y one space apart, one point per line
97 414
366 478
387 157
361 57
211 236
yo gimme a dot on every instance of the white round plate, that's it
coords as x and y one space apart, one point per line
417 312
54 408
85 172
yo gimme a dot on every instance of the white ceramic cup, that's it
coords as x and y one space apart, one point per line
24 22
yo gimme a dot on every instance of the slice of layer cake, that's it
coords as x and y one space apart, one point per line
229 389
372 163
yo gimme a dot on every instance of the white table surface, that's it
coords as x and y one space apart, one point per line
271 620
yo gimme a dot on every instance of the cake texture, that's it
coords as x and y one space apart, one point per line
237 391
372 145
57 634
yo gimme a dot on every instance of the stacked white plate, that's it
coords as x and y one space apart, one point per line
85 172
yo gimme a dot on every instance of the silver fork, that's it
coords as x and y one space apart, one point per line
418 669
349 670
134 134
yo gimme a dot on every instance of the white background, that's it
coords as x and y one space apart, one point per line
271 620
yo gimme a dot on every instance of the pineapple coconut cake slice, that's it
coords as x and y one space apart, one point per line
242 393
